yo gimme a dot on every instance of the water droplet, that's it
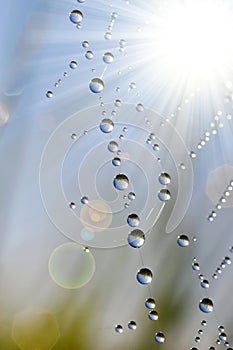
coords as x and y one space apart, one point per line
133 220
140 107
89 55
108 57
121 182
96 85
150 303
153 315
164 178
227 260
195 266
118 328
221 329
183 240
122 42
85 44
72 205
108 35
65 74
164 195
192 155
132 85
117 103
49 94
156 147
136 238
223 336
116 161
144 276
86 249
203 323
132 325
206 305
106 126
73 64
197 339
181 166
84 200
74 136
114 15
113 146
200 331
152 136
76 16
205 284
131 196
159 337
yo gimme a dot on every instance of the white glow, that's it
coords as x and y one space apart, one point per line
193 39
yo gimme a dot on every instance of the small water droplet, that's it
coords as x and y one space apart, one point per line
205 284
164 195
159 337
121 182
116 161
96 85
113 146
153 315
108 35
140 107
49 94
84 200
156 147
192 155
131 196
76 16
118 328
73 64
136 238
195 266
106 125
108 57
117 103
133 220
206 305
164 178
89 55
72 205
132 325
144 276
203 323
222 336
181 166
183 241
150 303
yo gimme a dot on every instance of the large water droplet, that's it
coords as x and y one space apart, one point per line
164 179
106 125
121 182
76 16
132 325
144 276
164 195
136 238
183 240
150 303
160 337
206 305
133 220
108 57
96 85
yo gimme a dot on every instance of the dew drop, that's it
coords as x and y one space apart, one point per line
96 85
89 55
133 220
164 178
153 315
108 35
140 107
150 303
121 182
132 325
206 305
159 337
106 125
183 240
73 64
156 147
49 94
113 146
192 155
195 266
84 200
131 196
118 328
144 276
108 57
205 284
164 195
136 238
116 161
72 205
222 336
76 16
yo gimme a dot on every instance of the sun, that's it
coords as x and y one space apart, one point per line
192 40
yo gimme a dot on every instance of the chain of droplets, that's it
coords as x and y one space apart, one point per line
108 33
215 124
223 199
226 261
